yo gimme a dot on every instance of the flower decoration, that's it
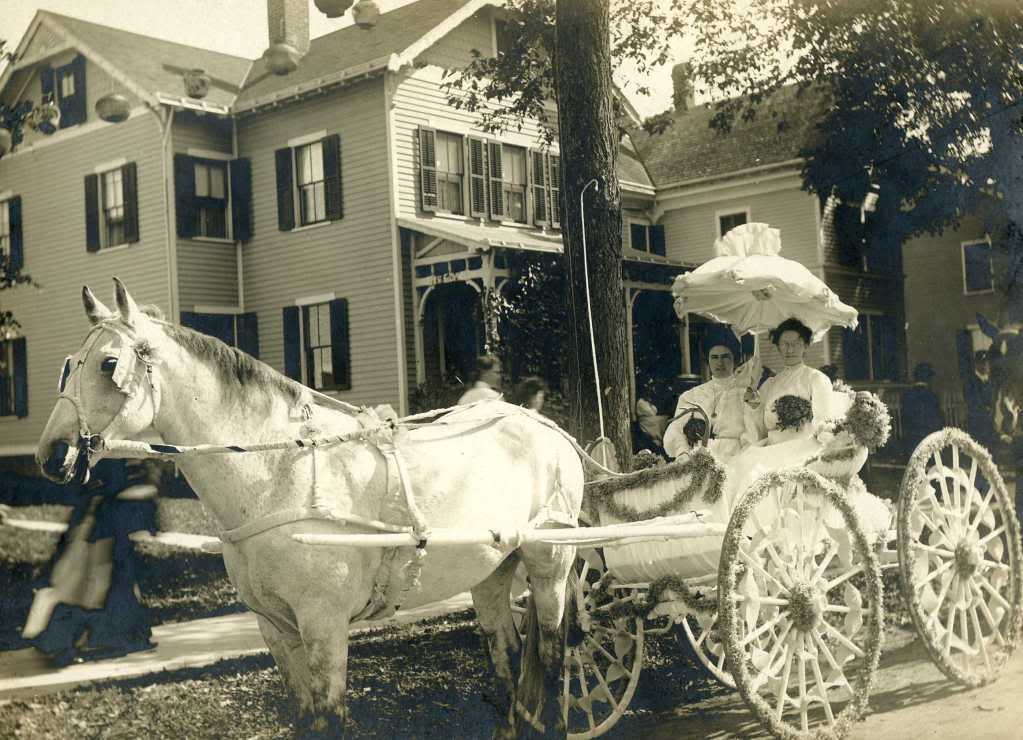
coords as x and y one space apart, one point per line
792 412
867 420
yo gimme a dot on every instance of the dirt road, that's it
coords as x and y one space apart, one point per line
911 699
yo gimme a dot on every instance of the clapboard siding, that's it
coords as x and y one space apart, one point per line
420 101
207 274
49 180
205 132
352 258
453 51
936 304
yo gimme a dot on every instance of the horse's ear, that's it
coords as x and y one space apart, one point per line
125 303
95 310
987 327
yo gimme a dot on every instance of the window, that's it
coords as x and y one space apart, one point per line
728 221
211 199
450 173
647 238
504 36
203 190
111 208
316 347
513 168
234 330
309 173
5 232
65 86
546 183
977 277
871 351
312 200
13 378
11 252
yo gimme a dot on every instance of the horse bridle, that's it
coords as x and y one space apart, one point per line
133 360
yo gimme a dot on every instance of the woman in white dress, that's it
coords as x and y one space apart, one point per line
720 397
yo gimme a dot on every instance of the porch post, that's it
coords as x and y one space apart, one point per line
630 299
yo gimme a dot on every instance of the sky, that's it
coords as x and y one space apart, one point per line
234 27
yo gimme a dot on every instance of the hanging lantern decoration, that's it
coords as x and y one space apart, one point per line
365 14
288 28
44 118
197 83
6 141
870 201
113 108
333 8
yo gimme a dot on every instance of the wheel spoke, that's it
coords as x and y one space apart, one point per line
849 644
996 633
778 644
991 535
839 580
985 504
762 629
940 551
778 562
980 638
986 585
603 685
941 600
766 600
995 565
803 719
837 609
950 624
587 703
957 502
823 565
935 573
783 684
822 688
605 653
616 602
757 567
827 654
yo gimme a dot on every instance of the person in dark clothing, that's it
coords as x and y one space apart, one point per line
89 606
921 409
979 392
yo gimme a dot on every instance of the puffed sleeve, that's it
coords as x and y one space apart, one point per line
755 426
675 442
820 391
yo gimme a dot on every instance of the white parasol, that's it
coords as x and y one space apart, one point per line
750 286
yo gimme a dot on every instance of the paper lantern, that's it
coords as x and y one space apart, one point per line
288 29
113 108
197 83
365 14
333 8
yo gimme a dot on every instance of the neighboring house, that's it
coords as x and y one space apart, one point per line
341 223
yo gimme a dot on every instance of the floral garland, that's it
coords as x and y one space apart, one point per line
792 412
916 477
731 624
645 459
644 603
705 473
696 429
867 420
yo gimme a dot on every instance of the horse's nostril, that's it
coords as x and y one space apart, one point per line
58 454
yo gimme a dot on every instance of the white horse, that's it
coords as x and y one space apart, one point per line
500 468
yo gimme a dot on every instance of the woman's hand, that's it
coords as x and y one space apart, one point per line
141 492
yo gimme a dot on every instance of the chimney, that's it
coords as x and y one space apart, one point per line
683 94
288 29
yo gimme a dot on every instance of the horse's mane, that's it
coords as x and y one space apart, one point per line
239 372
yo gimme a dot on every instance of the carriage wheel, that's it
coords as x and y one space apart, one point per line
703 630
959 557
604 651
799 593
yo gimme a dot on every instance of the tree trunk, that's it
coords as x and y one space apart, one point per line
588 138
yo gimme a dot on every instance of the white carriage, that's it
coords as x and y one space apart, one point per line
790 613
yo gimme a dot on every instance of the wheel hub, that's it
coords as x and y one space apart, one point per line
968 558
806 605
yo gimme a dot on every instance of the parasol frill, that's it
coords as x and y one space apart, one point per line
750 286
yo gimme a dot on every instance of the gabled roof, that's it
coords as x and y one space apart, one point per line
397 38
689 149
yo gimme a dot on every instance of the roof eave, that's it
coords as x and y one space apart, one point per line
344 76
435 34
745 172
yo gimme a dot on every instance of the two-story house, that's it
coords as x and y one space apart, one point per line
341 222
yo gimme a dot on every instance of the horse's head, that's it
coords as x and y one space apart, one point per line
106 389
1006 355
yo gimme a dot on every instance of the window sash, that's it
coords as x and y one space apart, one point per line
977 267
112 198
728 221
309 180
5 227
210 181
65 83
317 349
514 202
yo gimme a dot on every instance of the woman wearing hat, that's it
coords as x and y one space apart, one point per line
720 397
921 409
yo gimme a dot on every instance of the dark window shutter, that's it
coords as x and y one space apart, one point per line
332 177
75 110
241 198
184 195
92 241
539 188
292 344
46 79
657 244
855 353
20 378
477 178
554 181
285 162
964 351
340 351
129 176
248 333
17 256
496 180
189 320
428 168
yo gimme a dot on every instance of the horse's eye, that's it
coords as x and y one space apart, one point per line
108 364
65 373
